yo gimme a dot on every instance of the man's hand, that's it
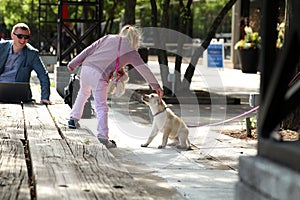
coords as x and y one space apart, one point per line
46 102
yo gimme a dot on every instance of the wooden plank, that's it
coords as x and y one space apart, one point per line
77 167
107 178
99 173
54 170
12 121
67 170
39 122
55 97
61 114
14 182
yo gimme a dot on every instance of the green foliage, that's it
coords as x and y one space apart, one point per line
14 11
204 13
253 122
86 141
251 40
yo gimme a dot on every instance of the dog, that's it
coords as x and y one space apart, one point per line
166 121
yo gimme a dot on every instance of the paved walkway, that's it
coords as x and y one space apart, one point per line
210 170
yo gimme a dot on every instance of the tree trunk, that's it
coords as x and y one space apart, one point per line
184 22
199 51
162 54
129 15
292 121
153 13
109 21
129 18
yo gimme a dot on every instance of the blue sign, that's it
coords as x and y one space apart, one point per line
215 55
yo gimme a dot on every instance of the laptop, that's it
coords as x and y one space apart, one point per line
15 92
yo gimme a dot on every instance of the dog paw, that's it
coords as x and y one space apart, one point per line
181 147
144 145
161 147
189 148
184 147
173 144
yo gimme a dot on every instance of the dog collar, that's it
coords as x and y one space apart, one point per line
160 112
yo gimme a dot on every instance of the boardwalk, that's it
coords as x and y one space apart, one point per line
41 158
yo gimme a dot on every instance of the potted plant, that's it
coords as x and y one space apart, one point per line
248 49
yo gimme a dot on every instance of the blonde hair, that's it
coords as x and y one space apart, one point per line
132 34
22 26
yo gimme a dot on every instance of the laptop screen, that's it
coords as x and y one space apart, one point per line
14 92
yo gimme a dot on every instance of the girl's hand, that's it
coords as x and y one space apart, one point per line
160 92
70 69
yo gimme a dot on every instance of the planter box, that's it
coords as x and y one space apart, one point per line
249 59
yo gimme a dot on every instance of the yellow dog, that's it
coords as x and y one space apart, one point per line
166 121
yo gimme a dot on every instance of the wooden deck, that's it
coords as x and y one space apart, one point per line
41 158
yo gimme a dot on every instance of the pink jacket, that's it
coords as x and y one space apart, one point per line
102 55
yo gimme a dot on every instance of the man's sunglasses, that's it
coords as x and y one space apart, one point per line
20 36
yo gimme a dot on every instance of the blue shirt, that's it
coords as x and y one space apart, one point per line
11 66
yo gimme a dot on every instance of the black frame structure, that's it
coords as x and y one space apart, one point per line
278 96
47 37
93 21
51 25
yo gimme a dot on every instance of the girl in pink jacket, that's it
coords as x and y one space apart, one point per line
98 62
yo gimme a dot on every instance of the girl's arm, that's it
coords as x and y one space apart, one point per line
78 60
135 59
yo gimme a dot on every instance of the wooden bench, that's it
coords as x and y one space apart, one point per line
41 158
